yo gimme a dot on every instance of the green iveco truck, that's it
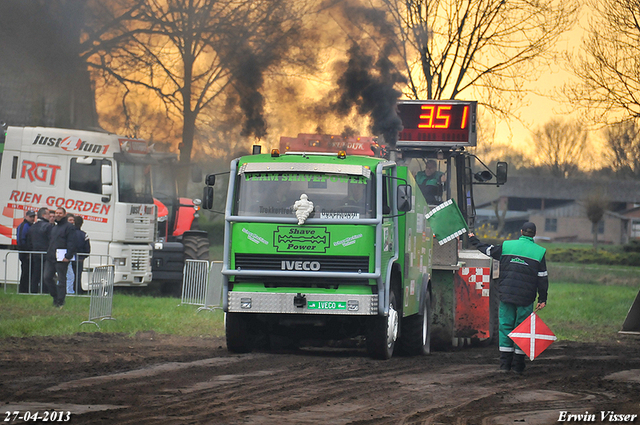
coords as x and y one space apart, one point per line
329 245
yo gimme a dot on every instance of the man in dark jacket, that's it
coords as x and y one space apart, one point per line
25 257
83 245
523 274
38 242
62 249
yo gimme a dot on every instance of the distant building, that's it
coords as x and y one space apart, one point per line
569 223
557 208
633 215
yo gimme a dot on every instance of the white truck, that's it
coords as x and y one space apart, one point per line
103 177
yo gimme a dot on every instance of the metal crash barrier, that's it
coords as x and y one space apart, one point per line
14 261
34 273
202 284
101 293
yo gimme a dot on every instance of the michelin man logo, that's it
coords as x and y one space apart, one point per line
303 208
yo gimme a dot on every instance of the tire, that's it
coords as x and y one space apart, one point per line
416 330
196 246
382 331
238 331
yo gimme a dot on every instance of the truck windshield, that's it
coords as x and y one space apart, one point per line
134 183
333 195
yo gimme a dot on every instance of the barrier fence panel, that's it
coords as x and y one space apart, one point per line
101 292
11 266
213 297
194 282
31 265
23 269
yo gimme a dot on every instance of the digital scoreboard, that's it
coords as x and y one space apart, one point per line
437 122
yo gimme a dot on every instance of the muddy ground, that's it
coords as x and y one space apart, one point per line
158 379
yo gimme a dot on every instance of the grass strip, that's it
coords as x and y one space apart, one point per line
34 315
576 312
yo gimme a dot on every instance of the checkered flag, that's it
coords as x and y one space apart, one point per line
446 221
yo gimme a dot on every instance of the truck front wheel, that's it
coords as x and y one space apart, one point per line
239 332
382 332
416 330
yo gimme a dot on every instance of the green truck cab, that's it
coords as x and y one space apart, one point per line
337 270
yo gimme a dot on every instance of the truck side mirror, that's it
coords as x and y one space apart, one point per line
404 197
501 173
207 197
107 182
196 174
210 180
106 175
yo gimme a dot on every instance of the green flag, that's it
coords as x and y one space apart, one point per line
446 221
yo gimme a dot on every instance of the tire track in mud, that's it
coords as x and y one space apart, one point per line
201 386
518 405
331 385
338 390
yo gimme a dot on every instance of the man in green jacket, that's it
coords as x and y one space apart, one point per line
523 275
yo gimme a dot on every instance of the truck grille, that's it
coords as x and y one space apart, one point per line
297 282
142 228
139 259
329 263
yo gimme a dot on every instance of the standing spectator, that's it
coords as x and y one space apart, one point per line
84 247
523 273
71 277
52 217
61 250
38 242
25 257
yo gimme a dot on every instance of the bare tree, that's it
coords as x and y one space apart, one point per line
487 47
193 54
623 140
595 206
609 66
561 146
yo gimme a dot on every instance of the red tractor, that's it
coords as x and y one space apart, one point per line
178 236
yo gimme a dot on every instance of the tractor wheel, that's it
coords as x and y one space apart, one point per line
382 331
196 246
416 330
239 332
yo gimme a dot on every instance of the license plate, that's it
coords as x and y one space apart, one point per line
326 305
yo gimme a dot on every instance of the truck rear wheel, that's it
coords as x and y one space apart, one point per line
196 246
416 331
239 333
382 332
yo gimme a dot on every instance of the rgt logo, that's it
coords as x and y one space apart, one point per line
39 171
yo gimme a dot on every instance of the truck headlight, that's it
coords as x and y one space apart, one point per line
158 246
121 262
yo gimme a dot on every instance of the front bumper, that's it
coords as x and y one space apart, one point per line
276 302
